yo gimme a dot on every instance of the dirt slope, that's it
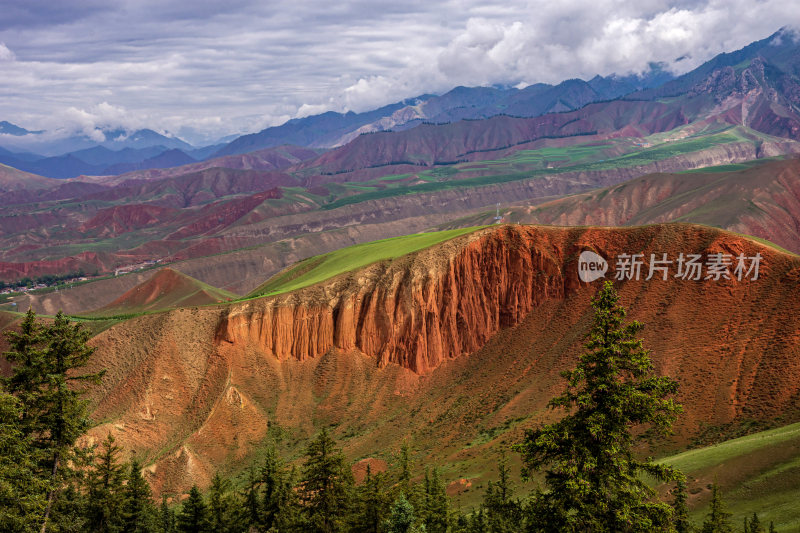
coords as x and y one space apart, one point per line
757 198
457 348
167 288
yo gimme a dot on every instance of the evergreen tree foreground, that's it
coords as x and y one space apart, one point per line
593 479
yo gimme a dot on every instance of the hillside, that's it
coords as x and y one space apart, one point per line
757 198
210 212
166 289
736 108
757 473
12 179
458 344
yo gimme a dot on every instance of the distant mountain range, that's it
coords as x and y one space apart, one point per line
762 77
330 130
413 172
145 149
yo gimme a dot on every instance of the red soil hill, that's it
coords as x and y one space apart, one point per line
457 347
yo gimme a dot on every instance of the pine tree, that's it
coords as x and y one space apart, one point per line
166 517
404 476
326 485
478 522
252 500
372 503
290 511
21 490
402 519
278 493
460 523
590 470
503 514
755 525
437 505
405 485
26 352
771 527
138 511
219 504
105 484
69 509
718 520
680 510
270 501
54 413
193 517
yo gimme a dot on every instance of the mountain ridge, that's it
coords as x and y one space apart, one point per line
469 322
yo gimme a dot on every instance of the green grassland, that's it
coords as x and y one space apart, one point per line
758 473
547 161
322 267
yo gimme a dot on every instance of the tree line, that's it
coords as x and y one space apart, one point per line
589 479
44 279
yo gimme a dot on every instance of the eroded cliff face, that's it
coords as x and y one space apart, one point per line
417 313
439 345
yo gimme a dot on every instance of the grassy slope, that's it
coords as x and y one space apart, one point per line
759 473
319 268
526 164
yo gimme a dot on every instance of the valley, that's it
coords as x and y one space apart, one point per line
408 277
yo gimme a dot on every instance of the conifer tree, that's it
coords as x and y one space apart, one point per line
105 484
372 504
69 511
404 469
252 500
478 522
461 524
755 525
193 517
437 505
503 514
402 519
771 527
272 479
290 512
219 504
21 490
138 511
593 477
54 413
279 501
718 519
326 485
680 509
166 517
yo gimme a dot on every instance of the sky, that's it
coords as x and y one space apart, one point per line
210 68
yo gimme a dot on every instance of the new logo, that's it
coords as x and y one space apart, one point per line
591 266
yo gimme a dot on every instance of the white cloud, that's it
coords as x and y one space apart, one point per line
555 41
168 65
6 54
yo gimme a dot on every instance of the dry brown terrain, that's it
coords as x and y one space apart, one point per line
762 199
456 348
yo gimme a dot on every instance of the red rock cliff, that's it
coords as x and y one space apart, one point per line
417 312
193 389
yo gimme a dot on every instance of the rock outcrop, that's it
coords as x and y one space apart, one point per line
415 313
465 337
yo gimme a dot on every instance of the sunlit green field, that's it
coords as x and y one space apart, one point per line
322 267
758 473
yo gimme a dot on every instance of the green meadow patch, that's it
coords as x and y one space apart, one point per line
322 267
